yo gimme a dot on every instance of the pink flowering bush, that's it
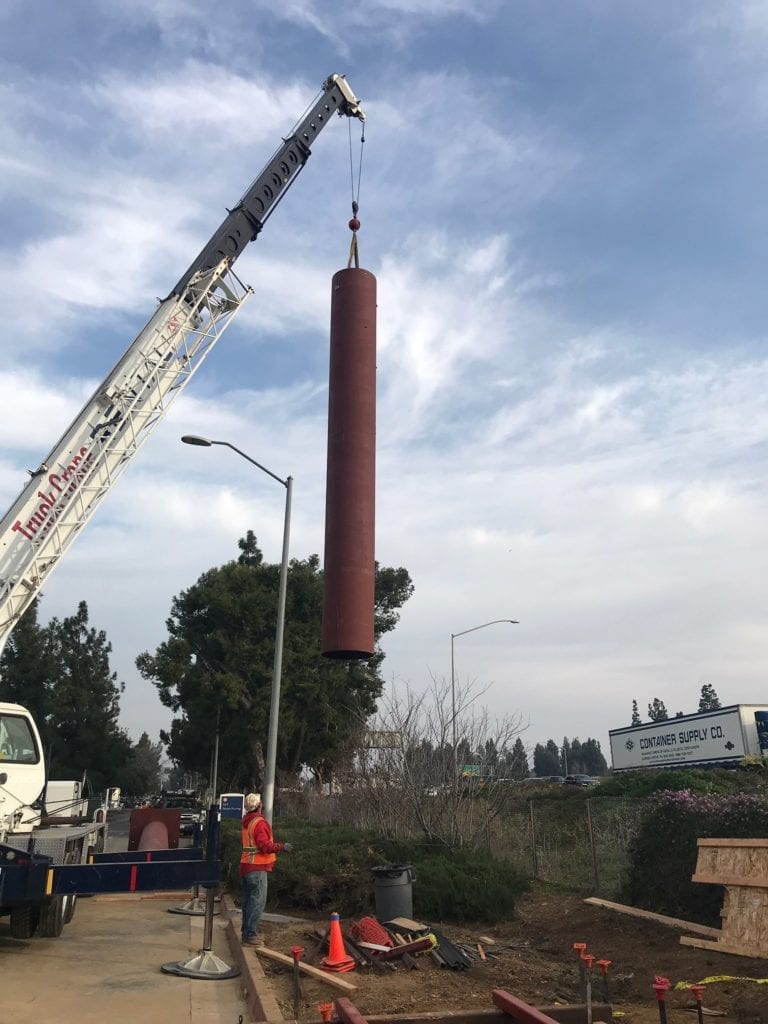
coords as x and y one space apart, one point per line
663 851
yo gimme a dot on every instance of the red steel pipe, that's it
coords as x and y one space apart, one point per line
518 1010
154 836
350 503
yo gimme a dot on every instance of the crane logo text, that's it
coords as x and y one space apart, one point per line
63 485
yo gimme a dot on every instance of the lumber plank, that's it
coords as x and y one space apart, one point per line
728 843
725 947
313 972
752 881
405 924
648 915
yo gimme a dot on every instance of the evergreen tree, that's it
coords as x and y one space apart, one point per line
28 670
565 756
142 774
709 701
518 761
657 712
636 720
85 703
545 760
592 758
218 660
61 674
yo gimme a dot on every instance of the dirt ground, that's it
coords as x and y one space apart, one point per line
535 961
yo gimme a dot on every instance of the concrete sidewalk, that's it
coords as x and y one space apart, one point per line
106 967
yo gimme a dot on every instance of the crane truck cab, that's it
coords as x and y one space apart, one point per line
22 772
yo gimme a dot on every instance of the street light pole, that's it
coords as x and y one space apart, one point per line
473 629
268 796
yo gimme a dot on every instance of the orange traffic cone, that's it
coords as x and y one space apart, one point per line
337 959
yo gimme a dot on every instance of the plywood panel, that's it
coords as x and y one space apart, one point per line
741 866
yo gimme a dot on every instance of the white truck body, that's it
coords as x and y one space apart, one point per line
64 799
724 736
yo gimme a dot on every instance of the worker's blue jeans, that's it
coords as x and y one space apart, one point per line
254 901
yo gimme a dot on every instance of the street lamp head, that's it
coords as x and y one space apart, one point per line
202 442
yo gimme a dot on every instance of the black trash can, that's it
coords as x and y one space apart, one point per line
393 891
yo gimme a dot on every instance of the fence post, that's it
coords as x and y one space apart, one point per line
592 845
534 855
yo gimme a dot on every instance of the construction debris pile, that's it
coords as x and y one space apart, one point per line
385 946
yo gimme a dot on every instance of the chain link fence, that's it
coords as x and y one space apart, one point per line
579 844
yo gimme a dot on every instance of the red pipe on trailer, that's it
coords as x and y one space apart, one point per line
350 503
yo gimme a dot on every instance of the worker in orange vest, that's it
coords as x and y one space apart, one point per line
258 857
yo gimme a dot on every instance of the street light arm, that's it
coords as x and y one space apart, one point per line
206 442
253 462
493 622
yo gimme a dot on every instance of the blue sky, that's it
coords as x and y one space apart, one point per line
564 206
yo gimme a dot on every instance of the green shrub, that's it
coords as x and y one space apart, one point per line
663 852
329 869
694 780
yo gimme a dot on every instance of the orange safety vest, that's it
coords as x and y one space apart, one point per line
251 853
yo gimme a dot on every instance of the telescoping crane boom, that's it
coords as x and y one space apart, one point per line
82 467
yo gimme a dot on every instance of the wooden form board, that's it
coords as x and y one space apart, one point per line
648 915
330 979
741 866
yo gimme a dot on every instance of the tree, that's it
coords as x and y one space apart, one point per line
61 674
516 762
142 773
85 736
636 720
28 670
565 756
592 758
657 712
709 701
546 759
218 658
406 777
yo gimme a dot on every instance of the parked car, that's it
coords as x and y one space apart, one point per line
191 810
579 780
558 780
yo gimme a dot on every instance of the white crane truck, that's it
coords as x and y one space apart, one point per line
44 868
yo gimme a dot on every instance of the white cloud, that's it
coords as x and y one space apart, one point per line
552 444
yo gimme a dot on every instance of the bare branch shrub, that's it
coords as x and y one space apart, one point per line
407 779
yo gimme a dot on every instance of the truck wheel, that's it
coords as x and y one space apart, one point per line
24 922
70 903
52 918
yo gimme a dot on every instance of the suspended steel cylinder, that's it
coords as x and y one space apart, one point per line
350 497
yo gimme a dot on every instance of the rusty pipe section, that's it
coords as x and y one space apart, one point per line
350 501
154 836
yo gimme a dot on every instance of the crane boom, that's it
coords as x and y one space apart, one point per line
82 467
243 223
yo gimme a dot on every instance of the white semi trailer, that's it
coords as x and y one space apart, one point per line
724 737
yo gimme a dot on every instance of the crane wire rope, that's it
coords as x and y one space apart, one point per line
354 224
